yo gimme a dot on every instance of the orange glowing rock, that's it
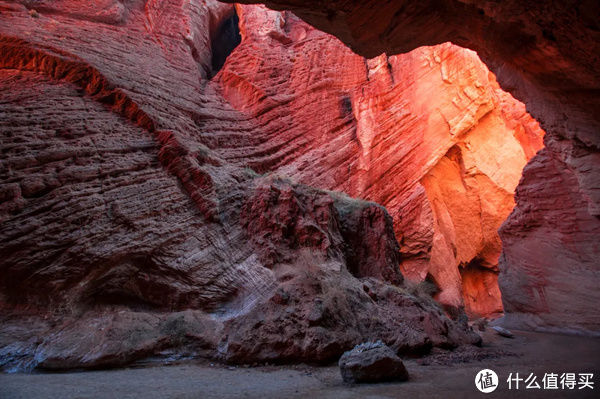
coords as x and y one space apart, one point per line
545 54
428 134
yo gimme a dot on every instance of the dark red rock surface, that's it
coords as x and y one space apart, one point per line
428 134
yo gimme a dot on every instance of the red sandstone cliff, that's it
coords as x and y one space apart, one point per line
428 134
133 227
545 53
136 221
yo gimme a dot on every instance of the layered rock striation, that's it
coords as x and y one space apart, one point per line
133 225
428 134
170 187
546 55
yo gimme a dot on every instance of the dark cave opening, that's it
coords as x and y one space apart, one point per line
226 38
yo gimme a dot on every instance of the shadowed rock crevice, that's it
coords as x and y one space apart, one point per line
225 39
480 290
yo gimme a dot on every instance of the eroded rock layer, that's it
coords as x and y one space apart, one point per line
133 225
547 55
428 134
164 189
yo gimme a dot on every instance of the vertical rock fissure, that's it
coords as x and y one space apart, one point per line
226 38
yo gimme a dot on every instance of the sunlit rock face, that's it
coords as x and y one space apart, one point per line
549 267
428 134
165 187
132 225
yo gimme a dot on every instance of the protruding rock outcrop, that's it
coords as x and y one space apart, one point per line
372 362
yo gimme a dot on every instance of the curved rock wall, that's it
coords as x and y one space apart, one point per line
131 227
428 134
136 220
545 53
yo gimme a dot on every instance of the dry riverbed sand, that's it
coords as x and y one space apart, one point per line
441 375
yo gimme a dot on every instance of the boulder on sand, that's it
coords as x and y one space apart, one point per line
372 362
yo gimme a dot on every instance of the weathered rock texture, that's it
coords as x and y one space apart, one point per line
428 134
547 55
136 221
133 226
372 362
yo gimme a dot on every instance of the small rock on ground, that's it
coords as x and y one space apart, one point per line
372 362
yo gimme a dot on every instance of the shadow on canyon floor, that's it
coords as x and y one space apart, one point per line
439 375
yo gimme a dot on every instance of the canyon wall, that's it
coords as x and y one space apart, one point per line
545 54
161 197
428 134
132 225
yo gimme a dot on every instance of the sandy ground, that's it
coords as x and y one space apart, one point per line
439 376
